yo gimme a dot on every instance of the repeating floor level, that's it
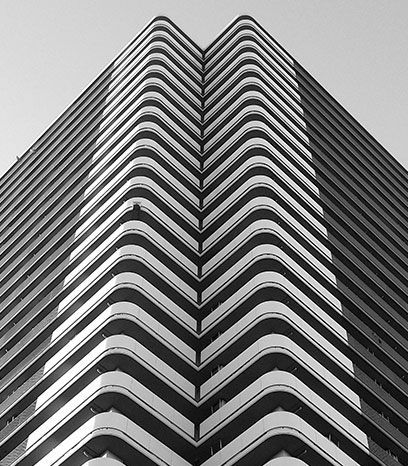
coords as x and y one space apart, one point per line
203 261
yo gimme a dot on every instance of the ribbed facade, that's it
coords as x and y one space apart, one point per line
203 262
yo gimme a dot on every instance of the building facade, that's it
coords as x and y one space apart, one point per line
203 262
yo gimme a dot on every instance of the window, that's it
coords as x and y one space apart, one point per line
370 350
376 337
393 455
11 393
333 439
215 336
216 306
216 447
10 419
216 369
217 405
378 383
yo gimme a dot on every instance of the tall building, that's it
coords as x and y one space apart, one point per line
203 262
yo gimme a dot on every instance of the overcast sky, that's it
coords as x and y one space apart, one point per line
51 49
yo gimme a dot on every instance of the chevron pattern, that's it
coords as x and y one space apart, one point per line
203 262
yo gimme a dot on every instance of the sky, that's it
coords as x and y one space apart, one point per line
50 50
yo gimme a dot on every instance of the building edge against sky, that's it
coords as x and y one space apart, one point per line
203 261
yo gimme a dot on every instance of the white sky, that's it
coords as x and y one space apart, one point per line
51 49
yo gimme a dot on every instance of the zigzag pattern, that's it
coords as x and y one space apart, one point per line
191 273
